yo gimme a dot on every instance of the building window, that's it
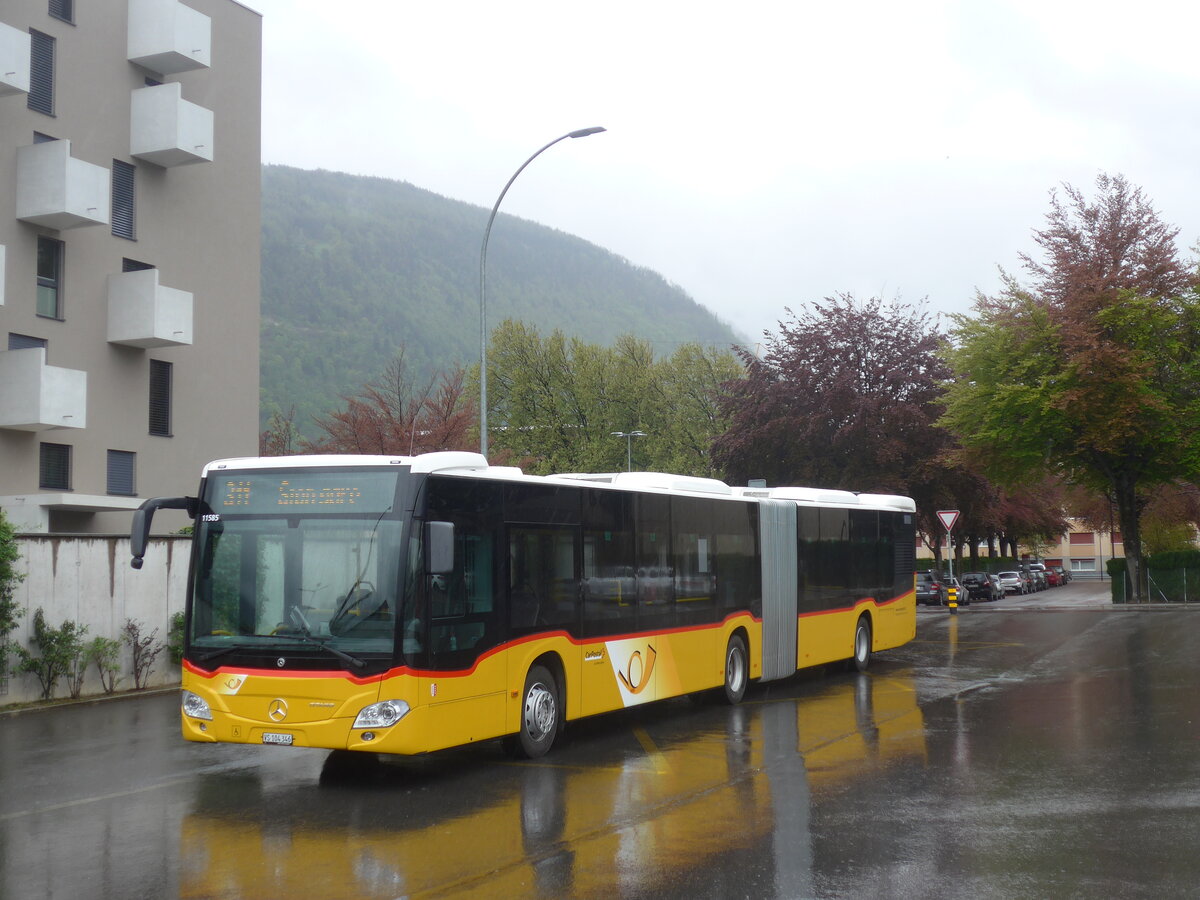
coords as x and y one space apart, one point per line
123 211
134 265
39 138
24 341
1083 565
1083 537
121 466
41 73
49 277
63 9
160 397
54 471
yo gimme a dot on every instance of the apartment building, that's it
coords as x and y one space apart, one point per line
129 253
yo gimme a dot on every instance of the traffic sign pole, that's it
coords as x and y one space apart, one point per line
948 517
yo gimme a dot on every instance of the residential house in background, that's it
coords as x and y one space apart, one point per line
129 253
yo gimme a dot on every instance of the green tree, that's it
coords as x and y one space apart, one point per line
557 401
1092 372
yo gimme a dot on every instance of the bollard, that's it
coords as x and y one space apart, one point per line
952 600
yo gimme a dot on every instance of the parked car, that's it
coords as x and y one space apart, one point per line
1052 579
930 589
1037 574
1064 575
981 586
1013 583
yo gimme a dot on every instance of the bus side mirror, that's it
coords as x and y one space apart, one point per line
439 548
139 532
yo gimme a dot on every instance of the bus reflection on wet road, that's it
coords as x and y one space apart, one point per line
617 812
998 755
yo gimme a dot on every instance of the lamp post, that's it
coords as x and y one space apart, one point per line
629 436
483 441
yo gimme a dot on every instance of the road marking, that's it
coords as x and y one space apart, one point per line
84 801
652 751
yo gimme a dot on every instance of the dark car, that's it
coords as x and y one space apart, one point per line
930 589
980 586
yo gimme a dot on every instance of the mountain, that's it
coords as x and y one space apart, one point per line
355 267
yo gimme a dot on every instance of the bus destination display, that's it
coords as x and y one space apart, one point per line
352 492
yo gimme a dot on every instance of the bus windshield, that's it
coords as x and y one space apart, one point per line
287 567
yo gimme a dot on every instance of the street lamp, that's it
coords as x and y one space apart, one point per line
629 436
483 447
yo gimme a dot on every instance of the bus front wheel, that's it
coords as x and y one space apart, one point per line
862 644
737 670
541 716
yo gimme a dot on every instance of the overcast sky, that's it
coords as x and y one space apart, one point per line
761 155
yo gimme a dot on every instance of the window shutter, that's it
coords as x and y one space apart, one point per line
123 210
160 397
24 341
120 472
41 73
63 9
55 467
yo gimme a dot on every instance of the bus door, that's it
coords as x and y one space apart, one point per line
452 634
543 579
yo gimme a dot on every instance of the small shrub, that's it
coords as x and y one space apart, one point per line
59 649
106 654
145 651
175 639
10 613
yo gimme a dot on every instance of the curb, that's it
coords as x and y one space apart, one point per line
46 706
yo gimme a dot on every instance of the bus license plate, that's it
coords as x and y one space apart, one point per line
270 737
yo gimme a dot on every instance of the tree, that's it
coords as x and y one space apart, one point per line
282 437
397 415
557 402
845 397
59 653
1092 373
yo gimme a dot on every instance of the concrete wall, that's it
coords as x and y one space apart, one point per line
88 579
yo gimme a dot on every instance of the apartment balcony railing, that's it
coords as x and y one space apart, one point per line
167 130
143 313
167 37
58 191
14 60
37 397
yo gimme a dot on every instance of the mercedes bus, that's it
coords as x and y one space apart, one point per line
409 604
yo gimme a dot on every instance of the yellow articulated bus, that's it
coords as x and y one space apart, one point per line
408 604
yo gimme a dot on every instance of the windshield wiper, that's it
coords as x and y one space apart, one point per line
305 637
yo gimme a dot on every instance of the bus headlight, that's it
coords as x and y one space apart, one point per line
195 706
382 714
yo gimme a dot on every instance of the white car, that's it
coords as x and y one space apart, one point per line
1012 582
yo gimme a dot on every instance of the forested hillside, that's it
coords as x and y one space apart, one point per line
355 267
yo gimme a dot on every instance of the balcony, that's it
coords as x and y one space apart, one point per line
142 313
14 60
167 130
57 191
37 397
167 37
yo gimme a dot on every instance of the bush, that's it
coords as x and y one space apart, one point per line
145 651
60 650
175 639
106 654
9 579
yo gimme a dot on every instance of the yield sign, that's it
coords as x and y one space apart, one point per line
948 517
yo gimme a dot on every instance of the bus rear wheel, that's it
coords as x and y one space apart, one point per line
862 644
541 716
737 670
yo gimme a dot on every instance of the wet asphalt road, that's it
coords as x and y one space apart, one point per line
1024 753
